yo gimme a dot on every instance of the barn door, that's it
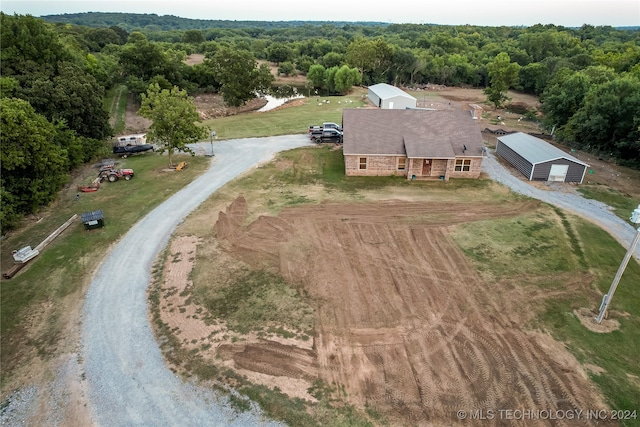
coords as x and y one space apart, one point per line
558 172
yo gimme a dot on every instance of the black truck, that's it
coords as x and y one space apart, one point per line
326 135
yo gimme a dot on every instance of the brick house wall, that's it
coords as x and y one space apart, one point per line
388 166
475 168
375 166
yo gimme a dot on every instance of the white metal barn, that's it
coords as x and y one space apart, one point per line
390 97
538 160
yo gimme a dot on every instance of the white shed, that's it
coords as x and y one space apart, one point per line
390 97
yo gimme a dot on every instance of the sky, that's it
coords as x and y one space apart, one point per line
568 13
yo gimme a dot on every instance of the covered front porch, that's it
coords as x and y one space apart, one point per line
428 169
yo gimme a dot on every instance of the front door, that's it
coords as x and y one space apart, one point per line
426 167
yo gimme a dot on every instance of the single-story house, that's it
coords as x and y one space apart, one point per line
390 97
418 144
538 160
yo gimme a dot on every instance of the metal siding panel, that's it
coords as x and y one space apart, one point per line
515 159
541 171
574 174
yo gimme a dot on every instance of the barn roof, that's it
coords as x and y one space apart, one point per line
535 150
414 133
385 91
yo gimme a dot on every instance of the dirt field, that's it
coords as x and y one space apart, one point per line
405 325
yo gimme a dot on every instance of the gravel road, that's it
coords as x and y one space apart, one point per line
128 383
592 210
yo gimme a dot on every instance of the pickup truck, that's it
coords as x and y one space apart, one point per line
327 125
326 135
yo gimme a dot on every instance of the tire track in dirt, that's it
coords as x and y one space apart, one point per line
406 325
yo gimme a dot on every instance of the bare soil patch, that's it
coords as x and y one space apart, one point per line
404 324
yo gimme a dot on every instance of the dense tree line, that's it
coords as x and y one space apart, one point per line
587 78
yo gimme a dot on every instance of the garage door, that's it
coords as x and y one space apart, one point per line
558 172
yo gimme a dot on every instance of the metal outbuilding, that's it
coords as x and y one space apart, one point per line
538 160
390 97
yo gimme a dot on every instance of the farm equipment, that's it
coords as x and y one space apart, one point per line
112 175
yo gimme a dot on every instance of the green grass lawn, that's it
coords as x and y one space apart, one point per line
622 204
60 273
285 121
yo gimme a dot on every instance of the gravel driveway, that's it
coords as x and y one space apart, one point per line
592 210
128 382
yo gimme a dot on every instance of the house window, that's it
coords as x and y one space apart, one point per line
463 165
363 163
402 163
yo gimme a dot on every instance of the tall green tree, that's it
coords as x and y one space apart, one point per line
279 52
174 117
502 75
193 36
33 168
609 120
75 97
240 77
316 76
372 57
345 78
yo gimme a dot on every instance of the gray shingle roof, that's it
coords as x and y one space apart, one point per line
385 91
535 150
414 133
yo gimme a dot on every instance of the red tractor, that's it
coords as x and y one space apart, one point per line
112 175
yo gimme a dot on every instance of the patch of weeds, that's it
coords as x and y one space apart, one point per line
239 403
373 413
254 299
281 332
295 199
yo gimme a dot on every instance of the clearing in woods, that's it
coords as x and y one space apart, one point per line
404 325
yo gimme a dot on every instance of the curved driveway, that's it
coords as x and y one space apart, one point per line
128 383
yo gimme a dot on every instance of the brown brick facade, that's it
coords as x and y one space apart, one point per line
414 168
375 166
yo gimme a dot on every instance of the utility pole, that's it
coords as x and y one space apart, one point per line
606 300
